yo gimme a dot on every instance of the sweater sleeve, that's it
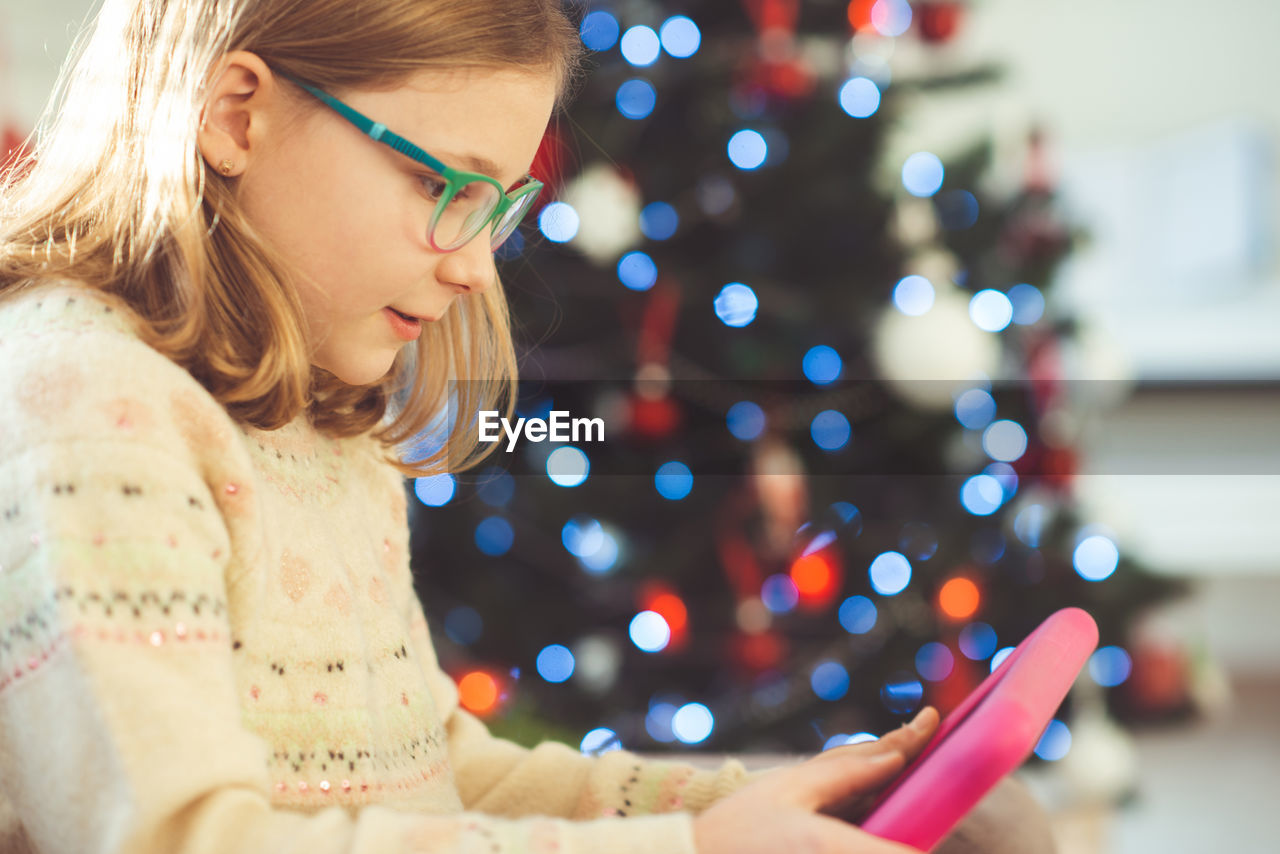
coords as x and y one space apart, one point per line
120 726
503 778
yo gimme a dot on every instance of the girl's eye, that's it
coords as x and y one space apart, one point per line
434 185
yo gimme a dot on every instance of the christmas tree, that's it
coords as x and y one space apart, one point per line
835 483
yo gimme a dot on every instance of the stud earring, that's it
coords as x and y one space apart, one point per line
226 167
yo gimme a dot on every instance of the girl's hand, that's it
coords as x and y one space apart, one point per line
782 810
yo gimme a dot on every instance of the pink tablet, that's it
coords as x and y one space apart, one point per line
987 736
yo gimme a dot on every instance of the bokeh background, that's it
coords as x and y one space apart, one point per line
910 323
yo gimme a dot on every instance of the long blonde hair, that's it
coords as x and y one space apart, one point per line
116 195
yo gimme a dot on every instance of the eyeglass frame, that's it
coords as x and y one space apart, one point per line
454 179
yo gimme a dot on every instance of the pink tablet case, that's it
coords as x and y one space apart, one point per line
987 736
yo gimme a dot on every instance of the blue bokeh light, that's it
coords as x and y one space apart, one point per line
859 97
582 535
657 722
977 641
829 680
602 559
913 295
999 657
857 614
990 310
1004 440
891 17
494 536
849 515
982 495
1095 558
568 466
680 36
559 222
747 149
600 740
640 45
922 174
463 625
746 420
779 593
902 693
1028 304
890 573
1109 666
693 723
736 305
1029 524
435 490
1007 475
934 661
821 364
1054 742
649 631
637 271
830 430
975 408
636 98
659 221
555 663
673 480
599 30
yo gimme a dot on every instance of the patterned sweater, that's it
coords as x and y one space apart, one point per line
210 639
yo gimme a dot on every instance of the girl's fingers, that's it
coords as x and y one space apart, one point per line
912 736
840 774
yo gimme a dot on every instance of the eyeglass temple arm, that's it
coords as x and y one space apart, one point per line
376 130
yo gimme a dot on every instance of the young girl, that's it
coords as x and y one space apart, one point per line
251 250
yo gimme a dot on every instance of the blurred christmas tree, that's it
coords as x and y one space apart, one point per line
836 479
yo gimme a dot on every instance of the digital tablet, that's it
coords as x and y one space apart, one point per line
987 736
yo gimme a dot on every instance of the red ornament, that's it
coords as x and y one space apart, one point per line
818 577
951 691
760 651
549 165
13 151
737 558
662 599
937 22
1158 683
652 418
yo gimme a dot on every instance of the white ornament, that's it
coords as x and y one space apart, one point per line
915 222
596 662
608 209
1101 765
929 357
1099 373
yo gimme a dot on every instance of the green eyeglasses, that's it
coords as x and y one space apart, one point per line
466 202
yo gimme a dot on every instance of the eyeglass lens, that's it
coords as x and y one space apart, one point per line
466 214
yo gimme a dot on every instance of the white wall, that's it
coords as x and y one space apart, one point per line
1165 121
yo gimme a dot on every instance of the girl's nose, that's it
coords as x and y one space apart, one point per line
471 266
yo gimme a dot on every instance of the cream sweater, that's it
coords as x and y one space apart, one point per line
210 639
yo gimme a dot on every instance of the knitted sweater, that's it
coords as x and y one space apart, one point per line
210 639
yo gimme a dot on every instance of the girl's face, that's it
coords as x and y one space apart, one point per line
350 213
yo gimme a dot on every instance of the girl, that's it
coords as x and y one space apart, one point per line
252 249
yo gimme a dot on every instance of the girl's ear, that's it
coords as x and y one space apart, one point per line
235 115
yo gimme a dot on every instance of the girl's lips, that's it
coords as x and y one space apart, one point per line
406 329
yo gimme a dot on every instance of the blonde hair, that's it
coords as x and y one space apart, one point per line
116 195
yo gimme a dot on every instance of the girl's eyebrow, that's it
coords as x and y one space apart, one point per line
483 165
